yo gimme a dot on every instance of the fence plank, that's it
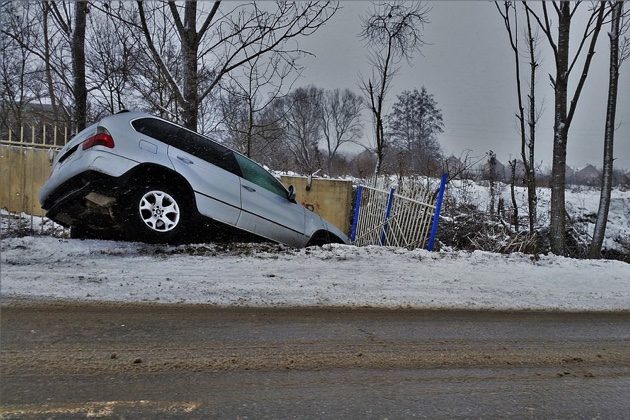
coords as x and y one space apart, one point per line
5 176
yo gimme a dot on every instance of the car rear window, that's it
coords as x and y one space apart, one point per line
188 141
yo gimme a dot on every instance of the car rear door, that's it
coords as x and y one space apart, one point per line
209 168
266 210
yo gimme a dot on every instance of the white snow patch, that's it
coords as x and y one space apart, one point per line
273 276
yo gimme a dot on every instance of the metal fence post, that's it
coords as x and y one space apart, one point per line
390 201
355 218
438 208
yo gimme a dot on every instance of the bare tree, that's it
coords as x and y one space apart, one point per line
56 27
392 33
78 64
111 61
492 178
617 55
226 40
302 121
60 46
17 73
513 194
52 95
509 13
565 105
341 121
72 25
246 96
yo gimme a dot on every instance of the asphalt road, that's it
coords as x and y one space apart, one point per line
73 361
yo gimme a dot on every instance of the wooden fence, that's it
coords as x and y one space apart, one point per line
41 136
25 164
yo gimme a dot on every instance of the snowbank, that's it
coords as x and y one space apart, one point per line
267 275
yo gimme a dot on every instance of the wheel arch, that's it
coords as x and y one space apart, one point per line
147 172
322 237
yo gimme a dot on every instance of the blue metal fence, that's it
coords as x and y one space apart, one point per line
405 215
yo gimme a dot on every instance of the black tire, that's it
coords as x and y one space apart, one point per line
149 216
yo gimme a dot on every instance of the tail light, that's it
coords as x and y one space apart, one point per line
101 138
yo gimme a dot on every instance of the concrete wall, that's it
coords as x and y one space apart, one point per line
331 199
23 171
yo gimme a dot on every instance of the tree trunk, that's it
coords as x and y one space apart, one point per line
513 196
613 78
379 144
250 126
530 170
189 47
558 209
48 70
78 65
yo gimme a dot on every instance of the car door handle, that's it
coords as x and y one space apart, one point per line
250 189
185 160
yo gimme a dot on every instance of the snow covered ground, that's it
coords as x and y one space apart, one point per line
582 206
268 275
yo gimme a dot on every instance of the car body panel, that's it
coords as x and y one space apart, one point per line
222 191
217 191
269 214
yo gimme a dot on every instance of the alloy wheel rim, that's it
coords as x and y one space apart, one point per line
159 211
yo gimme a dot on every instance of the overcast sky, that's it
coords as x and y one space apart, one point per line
468 65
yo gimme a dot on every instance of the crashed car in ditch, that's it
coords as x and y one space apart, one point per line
152 180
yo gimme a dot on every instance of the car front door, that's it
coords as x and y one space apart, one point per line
266 209
213 173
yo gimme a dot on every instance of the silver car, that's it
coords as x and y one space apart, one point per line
155 181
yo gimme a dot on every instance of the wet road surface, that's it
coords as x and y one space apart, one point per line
74 360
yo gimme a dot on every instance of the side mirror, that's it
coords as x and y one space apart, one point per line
291 195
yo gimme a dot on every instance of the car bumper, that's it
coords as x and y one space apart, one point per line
99 162
88 193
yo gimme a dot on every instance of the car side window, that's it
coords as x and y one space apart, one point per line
157 129
257 175
207 150
189 142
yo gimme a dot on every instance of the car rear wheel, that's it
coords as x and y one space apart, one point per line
157 213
